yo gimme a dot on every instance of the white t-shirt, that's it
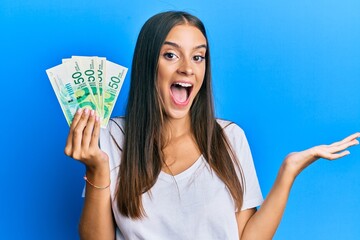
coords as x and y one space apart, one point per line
194 204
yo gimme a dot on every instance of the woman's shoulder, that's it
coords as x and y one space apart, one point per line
234 133
230 127
116 126
113 134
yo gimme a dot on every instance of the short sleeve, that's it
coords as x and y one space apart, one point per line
237 139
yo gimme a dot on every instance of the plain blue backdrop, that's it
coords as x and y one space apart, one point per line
288 72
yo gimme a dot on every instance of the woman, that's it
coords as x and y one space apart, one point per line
169 169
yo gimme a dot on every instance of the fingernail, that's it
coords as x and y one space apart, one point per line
97 118
79 111
86 111
92 112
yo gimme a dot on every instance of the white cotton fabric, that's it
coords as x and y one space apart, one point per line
194 204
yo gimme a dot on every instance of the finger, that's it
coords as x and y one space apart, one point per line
78 133
77 117
88 131
96 133
68 146
347 139
338 155
331 155
343 146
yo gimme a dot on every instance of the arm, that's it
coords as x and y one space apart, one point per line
263 223
82 144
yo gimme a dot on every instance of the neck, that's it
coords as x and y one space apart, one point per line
177 127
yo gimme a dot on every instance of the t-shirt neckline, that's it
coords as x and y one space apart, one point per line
182 175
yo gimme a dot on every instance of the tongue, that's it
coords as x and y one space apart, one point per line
179 93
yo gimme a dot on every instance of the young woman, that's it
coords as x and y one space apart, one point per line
170 169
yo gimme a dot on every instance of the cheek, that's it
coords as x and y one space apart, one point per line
201 76
161 85
162 73
201 71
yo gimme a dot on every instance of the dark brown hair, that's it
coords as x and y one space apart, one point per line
142 153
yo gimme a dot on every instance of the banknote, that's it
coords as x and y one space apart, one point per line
89 70
115 75
63 91
101 62
80 84
87 82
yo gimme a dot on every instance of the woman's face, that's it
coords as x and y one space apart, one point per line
181 69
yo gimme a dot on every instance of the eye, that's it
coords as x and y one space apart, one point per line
170 55
198 58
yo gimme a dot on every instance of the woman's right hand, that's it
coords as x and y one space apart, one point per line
83 138
82 144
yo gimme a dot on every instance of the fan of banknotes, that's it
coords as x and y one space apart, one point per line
87 82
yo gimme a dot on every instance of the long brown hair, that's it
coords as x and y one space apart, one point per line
142 153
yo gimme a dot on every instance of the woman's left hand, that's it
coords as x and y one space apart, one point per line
295 162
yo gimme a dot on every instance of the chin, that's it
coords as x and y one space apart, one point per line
178 114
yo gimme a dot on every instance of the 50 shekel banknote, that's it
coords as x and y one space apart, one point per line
87 82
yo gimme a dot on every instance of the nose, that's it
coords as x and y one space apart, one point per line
185 68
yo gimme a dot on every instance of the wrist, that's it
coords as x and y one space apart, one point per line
289 168
98 175
296 162
98 168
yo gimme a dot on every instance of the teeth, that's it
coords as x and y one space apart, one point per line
184 84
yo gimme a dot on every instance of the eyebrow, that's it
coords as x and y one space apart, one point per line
178 46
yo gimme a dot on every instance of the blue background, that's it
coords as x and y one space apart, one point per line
286 71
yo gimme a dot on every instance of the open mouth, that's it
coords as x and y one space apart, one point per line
181 91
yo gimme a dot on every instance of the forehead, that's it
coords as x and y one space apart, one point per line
186 36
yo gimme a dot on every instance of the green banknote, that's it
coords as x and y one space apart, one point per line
80 84
101 62
64 92
89 68
87 82
115 75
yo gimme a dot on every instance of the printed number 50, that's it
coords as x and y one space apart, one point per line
114 82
